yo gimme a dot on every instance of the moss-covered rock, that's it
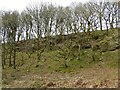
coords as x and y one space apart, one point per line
113 46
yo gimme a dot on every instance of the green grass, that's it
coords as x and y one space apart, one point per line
51 63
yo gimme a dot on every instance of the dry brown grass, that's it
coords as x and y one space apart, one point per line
94 77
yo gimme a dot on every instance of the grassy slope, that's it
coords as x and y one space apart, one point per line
33 73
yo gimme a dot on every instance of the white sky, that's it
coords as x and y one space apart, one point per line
21 4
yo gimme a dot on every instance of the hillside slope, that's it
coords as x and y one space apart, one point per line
51 69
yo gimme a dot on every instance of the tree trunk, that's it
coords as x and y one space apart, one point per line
3 56
78 57
2 49
10 63
65 63
14 53
100 18
107 29
14 59
116 22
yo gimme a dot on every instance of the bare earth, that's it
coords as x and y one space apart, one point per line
95 77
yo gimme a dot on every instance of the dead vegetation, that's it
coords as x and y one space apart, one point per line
84 78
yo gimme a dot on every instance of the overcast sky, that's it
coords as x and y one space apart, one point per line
21 4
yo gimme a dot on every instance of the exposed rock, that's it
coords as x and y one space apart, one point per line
50 84
79 82
95 86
